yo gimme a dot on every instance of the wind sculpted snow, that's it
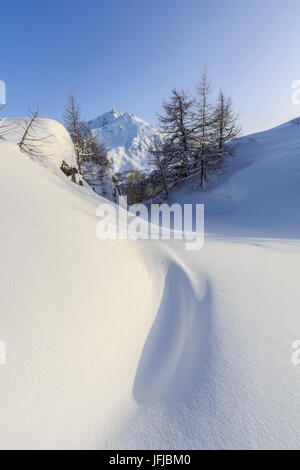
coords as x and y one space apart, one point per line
141 344
175 350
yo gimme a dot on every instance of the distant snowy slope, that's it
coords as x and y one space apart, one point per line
127 138
259 194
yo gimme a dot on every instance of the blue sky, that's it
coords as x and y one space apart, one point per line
130 53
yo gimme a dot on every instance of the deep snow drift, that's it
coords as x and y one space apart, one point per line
56 146
127 138
141 344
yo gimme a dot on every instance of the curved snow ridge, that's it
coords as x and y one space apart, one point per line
56 145
71 344
176 347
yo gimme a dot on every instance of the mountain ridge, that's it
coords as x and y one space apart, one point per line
127 138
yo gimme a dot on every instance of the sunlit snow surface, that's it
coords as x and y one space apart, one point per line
141 344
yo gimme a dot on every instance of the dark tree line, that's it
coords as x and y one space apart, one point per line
198 135
32 140
86 144
197 140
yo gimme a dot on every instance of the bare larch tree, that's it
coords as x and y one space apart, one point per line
203 125
225 121
73 124
31 130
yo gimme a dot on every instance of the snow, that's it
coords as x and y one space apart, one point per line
127 138
57 144
260 188
141 344
62 298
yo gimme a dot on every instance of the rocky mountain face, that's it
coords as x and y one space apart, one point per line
128 139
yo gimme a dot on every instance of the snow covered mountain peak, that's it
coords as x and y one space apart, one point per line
128 139
105 118
116 112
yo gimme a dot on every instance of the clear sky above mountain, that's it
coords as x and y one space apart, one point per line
130 53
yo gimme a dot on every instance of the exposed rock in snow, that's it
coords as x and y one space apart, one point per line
127 138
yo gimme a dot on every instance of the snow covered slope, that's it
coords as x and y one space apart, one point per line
67 309
259 191
141 344
127 138
57 144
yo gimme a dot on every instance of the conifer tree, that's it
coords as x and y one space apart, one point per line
176 125
225 122
73 123
203 127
